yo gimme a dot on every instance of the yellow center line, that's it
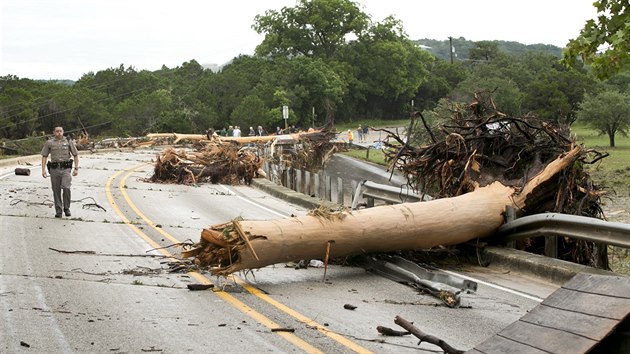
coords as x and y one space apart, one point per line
252 290
260 318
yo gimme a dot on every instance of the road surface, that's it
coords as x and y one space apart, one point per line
101 280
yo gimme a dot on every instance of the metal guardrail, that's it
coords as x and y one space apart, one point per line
384 192
548 224
580 227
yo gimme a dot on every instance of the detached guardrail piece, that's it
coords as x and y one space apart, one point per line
444 286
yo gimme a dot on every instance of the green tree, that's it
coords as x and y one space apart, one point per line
604 43
312 28
484 50
443 78
608 112
251 112
388 69
506 95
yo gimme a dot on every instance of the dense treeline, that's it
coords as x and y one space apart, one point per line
308 62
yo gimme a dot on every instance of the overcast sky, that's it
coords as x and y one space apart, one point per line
64 39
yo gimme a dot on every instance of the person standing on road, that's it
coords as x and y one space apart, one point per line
62 152
360 132
350 137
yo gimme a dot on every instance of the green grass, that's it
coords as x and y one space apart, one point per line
614 170
371 155
378 123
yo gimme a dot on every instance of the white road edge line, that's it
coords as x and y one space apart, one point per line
254 203
13 173
511 291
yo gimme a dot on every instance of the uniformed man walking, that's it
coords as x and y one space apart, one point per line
62 151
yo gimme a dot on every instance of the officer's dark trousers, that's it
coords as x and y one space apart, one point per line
61 180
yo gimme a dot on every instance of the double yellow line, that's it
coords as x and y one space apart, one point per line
262 319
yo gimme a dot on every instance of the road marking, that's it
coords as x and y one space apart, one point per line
253 202
13 173
298 316
240 305
499 287
260 318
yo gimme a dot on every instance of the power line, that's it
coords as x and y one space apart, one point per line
66 110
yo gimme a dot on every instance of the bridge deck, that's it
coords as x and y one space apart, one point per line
574 319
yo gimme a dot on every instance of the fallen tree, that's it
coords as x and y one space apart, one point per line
477 168
247 244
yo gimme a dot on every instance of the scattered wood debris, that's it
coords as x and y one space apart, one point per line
423 337
215 163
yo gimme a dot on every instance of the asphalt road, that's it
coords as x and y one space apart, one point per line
100 281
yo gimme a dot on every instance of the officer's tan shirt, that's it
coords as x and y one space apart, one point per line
59 150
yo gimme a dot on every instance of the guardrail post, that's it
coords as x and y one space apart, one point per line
328 188
307 183
353 187
340 200
510 215
316 184
298 181
551 246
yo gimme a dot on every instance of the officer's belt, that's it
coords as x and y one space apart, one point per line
59 164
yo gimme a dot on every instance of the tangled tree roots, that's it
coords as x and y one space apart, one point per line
216 163
478 145
313 151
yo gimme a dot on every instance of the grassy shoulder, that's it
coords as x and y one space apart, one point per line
375 123
371 155
613 172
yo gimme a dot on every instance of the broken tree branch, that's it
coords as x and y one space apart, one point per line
426 337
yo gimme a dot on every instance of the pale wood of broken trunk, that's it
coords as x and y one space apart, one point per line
407 226
240 139
380 229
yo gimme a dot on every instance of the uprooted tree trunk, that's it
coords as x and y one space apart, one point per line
476 164
239 245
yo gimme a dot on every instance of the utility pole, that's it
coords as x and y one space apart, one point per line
450 40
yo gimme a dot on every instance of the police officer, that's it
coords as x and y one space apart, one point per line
62 151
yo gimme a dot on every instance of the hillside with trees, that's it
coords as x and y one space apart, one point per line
305 62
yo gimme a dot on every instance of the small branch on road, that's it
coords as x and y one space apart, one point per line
290 330
386 331
110 254
187 243
426 337
71 252
46 202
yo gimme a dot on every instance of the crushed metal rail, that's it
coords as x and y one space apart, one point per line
433 280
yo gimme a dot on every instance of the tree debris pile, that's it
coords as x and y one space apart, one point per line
215 163
479 145
310 153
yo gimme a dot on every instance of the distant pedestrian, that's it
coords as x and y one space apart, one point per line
63 153
350 137
360 133
261 131
252 132
366 131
